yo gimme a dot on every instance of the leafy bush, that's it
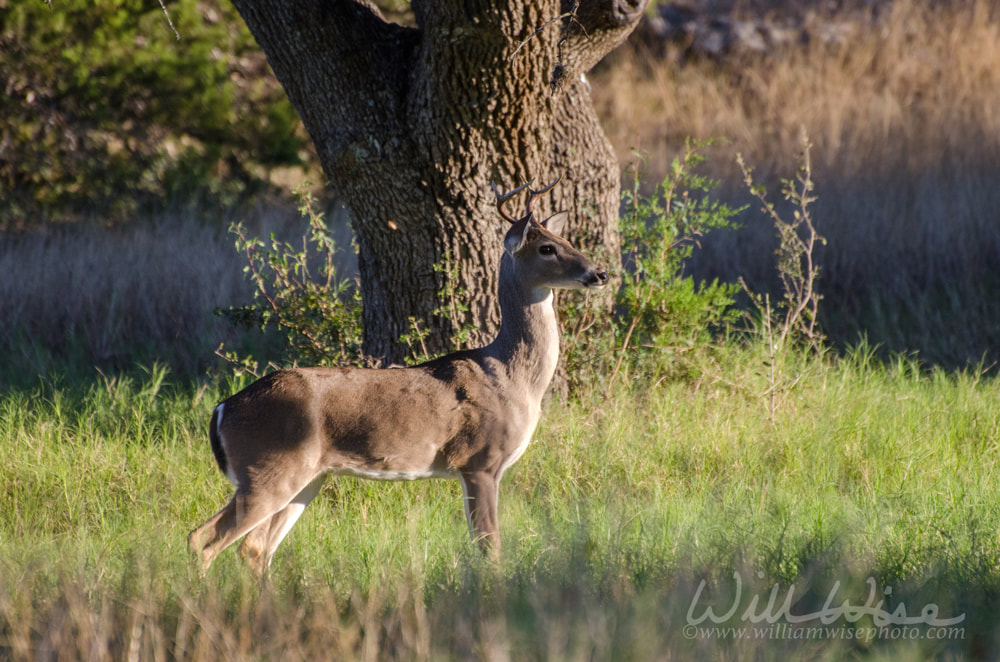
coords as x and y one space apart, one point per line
299 294
107 107
659 306
451 305
661 313
314 310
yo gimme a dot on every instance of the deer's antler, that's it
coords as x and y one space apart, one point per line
534 195
502 198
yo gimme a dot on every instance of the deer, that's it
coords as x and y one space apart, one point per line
468 415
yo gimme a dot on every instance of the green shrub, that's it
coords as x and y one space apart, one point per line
661 313
107 108
660 306
316 312
300 295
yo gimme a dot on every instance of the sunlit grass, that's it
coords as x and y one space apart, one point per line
610 520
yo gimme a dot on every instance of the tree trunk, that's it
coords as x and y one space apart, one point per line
412 124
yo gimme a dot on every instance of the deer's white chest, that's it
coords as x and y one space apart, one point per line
518 452
522 445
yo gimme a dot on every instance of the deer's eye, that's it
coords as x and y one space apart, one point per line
547 250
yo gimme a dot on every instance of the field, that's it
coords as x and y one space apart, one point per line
611 520
665 518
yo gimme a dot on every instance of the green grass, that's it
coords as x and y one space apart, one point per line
610 521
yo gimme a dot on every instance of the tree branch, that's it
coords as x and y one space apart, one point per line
592 29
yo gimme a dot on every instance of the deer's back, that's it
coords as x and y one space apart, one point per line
416 422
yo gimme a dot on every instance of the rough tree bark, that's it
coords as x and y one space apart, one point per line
412 124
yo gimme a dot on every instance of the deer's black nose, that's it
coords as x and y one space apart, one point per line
597 279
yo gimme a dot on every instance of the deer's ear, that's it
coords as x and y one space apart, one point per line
556 222
516 236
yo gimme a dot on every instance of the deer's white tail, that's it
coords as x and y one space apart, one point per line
217 448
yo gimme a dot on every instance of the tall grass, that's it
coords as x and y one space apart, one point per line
910 89
77 297
617 512
905 121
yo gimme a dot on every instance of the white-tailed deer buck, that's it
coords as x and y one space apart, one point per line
467 415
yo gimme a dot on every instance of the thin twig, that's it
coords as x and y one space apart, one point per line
571 14
621 357
169 22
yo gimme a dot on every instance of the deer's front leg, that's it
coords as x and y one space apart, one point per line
481 490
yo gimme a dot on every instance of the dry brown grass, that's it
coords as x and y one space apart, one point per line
910 90
84 622
74 297
905 122
112 295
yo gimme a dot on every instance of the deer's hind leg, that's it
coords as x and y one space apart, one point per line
257 549
245 511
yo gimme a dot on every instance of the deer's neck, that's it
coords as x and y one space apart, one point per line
528 340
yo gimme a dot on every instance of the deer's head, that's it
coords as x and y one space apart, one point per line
540 255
